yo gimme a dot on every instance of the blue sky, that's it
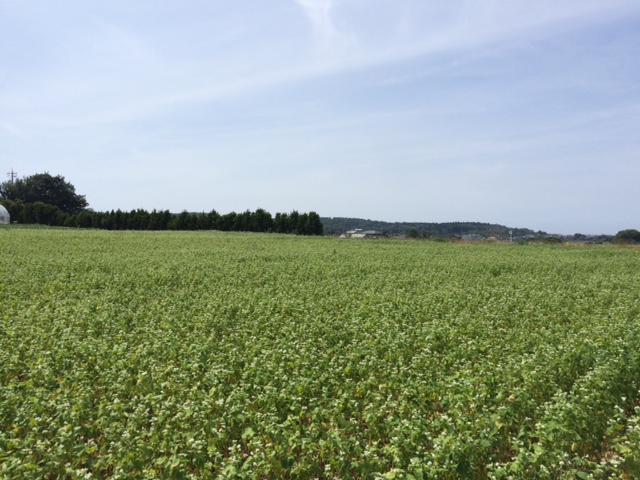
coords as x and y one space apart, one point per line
515 112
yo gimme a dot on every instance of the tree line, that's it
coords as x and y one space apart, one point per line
48 200
139 219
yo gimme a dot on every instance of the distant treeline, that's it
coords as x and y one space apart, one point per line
338 225
258 221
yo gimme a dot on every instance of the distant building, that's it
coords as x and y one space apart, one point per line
472 237
4 215
359 233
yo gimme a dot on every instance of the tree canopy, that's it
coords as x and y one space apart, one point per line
627 236
45 188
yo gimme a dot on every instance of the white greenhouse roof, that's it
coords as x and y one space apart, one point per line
4 215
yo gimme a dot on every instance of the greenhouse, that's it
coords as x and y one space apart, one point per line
4 215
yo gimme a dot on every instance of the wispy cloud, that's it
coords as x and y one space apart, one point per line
325 31
122 74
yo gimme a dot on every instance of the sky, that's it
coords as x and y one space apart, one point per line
520 113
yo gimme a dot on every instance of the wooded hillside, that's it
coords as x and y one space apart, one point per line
337 225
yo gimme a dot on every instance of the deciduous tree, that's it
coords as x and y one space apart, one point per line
45 188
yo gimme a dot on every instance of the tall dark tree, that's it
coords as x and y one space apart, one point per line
292 222
262 221
227 221
315 224
280 223
159 220
214 220
45 188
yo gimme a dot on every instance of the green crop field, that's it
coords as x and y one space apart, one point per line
219 355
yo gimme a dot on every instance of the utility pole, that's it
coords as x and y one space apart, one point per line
12 175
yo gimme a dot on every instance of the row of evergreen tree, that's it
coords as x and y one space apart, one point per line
258 221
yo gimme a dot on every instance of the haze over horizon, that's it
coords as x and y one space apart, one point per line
523 114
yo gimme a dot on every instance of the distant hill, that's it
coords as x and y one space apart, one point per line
338 225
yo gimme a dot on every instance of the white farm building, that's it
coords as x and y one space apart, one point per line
4 215
359 233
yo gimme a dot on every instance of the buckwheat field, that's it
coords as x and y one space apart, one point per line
230 355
